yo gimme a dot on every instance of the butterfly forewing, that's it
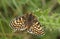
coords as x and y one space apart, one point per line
36 29
18 24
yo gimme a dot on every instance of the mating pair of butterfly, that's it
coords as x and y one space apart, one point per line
29 23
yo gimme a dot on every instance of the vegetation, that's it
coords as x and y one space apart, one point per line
47 11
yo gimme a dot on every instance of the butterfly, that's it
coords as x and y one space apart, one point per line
28 22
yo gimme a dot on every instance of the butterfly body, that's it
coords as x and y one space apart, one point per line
27 22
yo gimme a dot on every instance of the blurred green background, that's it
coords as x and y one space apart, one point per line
47 11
